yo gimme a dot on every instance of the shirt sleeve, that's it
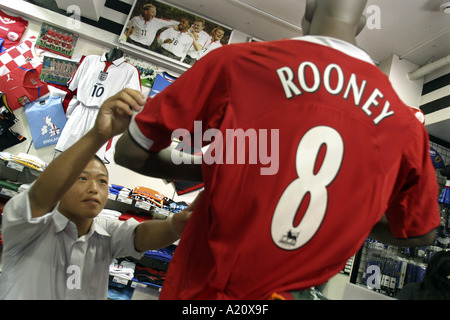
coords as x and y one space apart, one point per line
166 34
19 228
414 209
134 79
162 23
199 94
122 237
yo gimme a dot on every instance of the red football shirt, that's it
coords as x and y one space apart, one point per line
11 29
329 149
23 85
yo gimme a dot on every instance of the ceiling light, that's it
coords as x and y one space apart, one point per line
445 7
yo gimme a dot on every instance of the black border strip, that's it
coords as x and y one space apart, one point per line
436 84
118 5
439 141
103 23
436 105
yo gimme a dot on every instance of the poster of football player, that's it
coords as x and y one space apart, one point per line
172 32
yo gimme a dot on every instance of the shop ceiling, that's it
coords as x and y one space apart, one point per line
415 30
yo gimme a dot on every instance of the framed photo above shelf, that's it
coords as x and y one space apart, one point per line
171 34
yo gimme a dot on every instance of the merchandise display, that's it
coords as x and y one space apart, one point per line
23 86
162 81
57 71
56 40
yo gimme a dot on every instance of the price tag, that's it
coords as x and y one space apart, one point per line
120 280
124 199
162 212
7 192
15 166
112 196
142 205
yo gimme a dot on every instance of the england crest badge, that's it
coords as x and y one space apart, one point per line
102 76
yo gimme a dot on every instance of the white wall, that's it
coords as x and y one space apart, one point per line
398 70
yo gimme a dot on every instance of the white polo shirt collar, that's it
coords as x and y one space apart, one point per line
116 62
62 223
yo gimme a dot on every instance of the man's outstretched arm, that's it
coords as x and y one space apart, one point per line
112 119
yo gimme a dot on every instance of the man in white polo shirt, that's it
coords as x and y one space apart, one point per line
54 245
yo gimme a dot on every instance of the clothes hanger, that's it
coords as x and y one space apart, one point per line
114 54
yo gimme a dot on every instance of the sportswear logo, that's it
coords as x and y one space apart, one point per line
102 76
234 146
290 238
6 20
13 36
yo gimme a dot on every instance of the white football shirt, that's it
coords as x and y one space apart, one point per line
95 80
203 39
181 42
145 31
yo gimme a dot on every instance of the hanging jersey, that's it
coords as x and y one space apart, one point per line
46 119
290 192
162 81
95 81
22 86
11 29
145 31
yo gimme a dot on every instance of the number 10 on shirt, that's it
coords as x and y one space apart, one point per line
284 233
